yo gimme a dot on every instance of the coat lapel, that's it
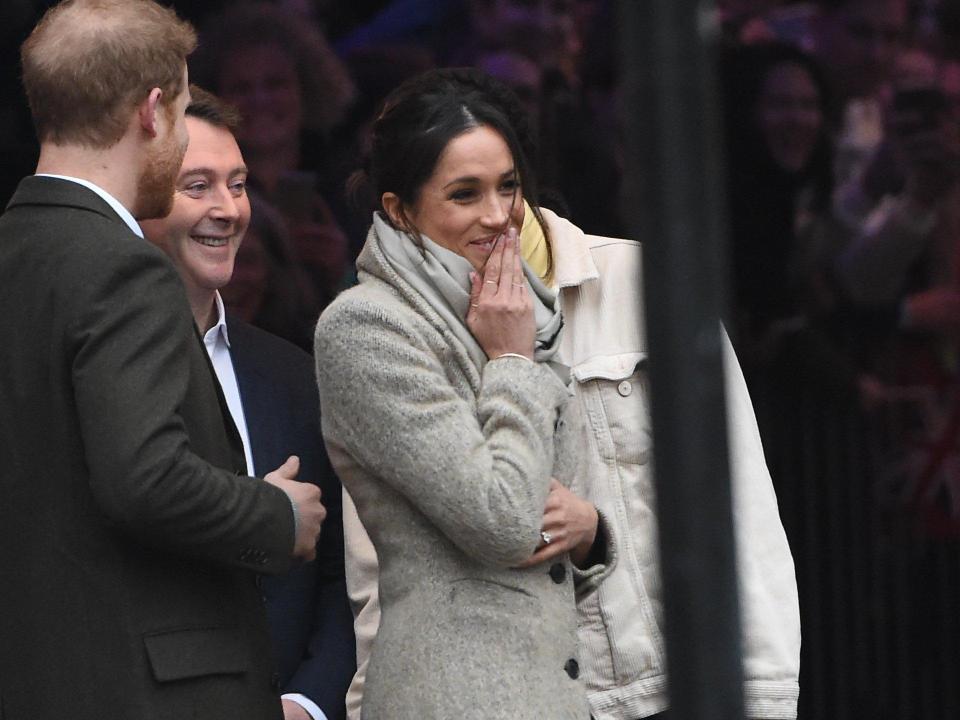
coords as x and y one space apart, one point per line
257 396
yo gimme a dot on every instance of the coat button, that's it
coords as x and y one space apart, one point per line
625 388
573 669
558 572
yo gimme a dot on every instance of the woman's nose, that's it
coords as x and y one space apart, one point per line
496 211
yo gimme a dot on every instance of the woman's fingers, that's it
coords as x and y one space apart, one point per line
517 283
509 258
546 552
500 320
476 283
492 268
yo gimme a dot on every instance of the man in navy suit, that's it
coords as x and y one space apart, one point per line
270 390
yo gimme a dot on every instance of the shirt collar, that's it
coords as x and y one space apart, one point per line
220 329
118 208
572 262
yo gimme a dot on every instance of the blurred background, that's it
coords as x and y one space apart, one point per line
842 137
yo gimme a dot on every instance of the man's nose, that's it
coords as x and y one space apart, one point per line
225 207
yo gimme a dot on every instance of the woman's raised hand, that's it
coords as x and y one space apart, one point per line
501 312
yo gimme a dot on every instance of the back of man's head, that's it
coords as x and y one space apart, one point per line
89 63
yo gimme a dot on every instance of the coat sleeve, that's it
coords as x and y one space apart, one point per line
363 588
768 586
478 469
130 373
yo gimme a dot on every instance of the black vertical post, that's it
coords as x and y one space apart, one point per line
673 202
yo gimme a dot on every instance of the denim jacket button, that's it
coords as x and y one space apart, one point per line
625 388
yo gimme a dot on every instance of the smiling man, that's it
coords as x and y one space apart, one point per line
271 393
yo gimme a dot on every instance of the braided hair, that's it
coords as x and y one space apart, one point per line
419 119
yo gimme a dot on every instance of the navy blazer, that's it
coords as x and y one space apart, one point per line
309 613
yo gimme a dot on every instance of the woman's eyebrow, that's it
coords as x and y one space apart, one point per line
475 179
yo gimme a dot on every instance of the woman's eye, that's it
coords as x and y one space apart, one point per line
509 186
461 195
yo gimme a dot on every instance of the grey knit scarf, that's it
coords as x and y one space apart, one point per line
443 279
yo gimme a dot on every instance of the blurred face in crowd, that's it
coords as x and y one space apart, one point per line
518 73
262 82
471 198
210 210
789 115
155 187
860 40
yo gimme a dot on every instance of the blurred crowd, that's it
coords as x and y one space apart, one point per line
842 142
843 160
842 135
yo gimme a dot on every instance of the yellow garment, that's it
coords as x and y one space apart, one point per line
534 246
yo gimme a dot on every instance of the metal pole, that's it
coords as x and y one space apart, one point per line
673 203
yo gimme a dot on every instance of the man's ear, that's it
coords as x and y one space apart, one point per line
148 112
394 209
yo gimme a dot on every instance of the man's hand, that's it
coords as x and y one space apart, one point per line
306 499
294 711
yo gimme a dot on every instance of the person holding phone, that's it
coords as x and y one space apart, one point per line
904 259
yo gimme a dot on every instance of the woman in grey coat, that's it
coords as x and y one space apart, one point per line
452 427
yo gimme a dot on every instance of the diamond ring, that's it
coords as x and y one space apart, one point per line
546 537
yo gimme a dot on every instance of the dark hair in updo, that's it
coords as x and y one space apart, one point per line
420 118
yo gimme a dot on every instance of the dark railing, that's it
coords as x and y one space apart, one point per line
874 531
673 201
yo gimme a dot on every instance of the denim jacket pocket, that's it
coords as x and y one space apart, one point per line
620 383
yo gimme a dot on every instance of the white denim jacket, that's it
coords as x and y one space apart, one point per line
622 651
621 625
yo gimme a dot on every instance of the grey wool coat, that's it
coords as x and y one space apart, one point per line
449 466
